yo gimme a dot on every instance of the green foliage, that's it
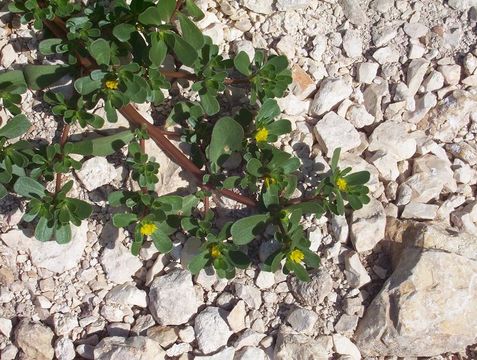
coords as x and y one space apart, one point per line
121 53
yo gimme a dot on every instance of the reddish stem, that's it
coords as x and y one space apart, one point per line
64 136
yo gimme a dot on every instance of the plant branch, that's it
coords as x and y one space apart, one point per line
64 137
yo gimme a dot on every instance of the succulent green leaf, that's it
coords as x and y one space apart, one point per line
161 241
108 145
184 51
242 63
39 77
123 32
210 103
244 230
100 51
17 126
85 85
44 229
198 262
29 187
3 191
190 32
358 178
48 46
193 10
63 234
124 219
227 137
239 259
158 50
334 159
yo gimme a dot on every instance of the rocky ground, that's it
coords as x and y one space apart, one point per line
394 84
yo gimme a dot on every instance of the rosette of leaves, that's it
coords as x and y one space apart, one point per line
150 216
144 169
73 110
51 160
14 156
216 251
342 186
12 86
53 213
33 10
269 76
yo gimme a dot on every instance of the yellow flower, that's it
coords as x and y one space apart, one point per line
261 135
214 251
296 256
269 181
148 229
342 184
112 84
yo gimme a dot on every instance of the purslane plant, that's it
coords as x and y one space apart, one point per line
120 54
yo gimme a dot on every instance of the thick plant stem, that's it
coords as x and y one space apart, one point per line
64 137
134 117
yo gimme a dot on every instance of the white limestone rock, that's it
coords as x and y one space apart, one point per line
392 138
211 329
96 172
356 273
50 255
331 93
302 320
172 298
137 347
419 211
368 225
333 131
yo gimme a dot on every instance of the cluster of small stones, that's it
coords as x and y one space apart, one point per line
394 84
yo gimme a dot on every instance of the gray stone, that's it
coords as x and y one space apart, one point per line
50 255
137 348
258 6
128 295
368 225
211 329
284 5
117 261
290 346
343 346
331 93
427 307
225 354
172 298
418 211
35 340
392 138
333 132
251 353
314 292
64 349
356 273
96 172
302 320
250 294
353 12
451 115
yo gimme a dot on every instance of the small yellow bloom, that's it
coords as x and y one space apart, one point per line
214 251
296 256
112 84
261 135
269 181
148 229
342 184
